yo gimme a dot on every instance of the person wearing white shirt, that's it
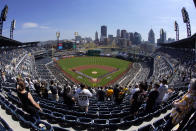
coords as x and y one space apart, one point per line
82 96
162 91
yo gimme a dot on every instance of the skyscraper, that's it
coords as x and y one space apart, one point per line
131 37
103 32
163 37
137 38
118 33
96 36
151 36
123 34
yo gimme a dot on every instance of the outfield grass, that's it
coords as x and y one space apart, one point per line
68 63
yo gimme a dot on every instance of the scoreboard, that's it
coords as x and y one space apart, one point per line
60 46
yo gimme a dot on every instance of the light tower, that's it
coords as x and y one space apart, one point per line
177 30
57 36
13 25
75 34
186 20
3 18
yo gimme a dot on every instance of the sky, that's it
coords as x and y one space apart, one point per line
39 20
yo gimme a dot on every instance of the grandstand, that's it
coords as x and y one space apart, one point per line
171 62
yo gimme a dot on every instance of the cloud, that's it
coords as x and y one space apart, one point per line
31 25
28 25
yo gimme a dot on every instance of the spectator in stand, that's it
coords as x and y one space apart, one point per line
27 83
3 76
109 94
133 90
59 90
150 87
28 103
31 85
162 90
18 79
151 99
37 87
116 93
146 86
101 94
168 94
183 106
138 99
82 96
43 90
68 96
54 91
120 96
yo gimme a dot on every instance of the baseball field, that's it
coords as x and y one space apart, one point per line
93 71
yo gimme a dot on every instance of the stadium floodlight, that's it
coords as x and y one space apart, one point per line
3 18
186 20
57 35
76 33
14 24
185 15
4 13
176 28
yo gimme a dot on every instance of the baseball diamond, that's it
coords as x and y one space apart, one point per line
80 69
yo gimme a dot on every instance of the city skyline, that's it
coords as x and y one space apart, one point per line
38 21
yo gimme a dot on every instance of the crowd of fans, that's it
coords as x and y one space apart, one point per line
142 93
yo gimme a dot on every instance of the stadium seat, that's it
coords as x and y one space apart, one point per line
45 114
114 123
104 114
79 113
25 120
159 122
137 121
70 119
83 123
128 120
148 117
100 123
58 117
116 113
41 126
4 125
11 109
146 128
55 128
91 114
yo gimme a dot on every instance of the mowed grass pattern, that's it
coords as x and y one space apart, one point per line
68 63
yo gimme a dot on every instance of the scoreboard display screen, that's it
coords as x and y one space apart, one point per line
60 46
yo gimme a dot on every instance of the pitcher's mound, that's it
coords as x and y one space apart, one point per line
94 72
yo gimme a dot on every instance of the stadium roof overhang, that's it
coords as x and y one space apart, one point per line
6 42
184 43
